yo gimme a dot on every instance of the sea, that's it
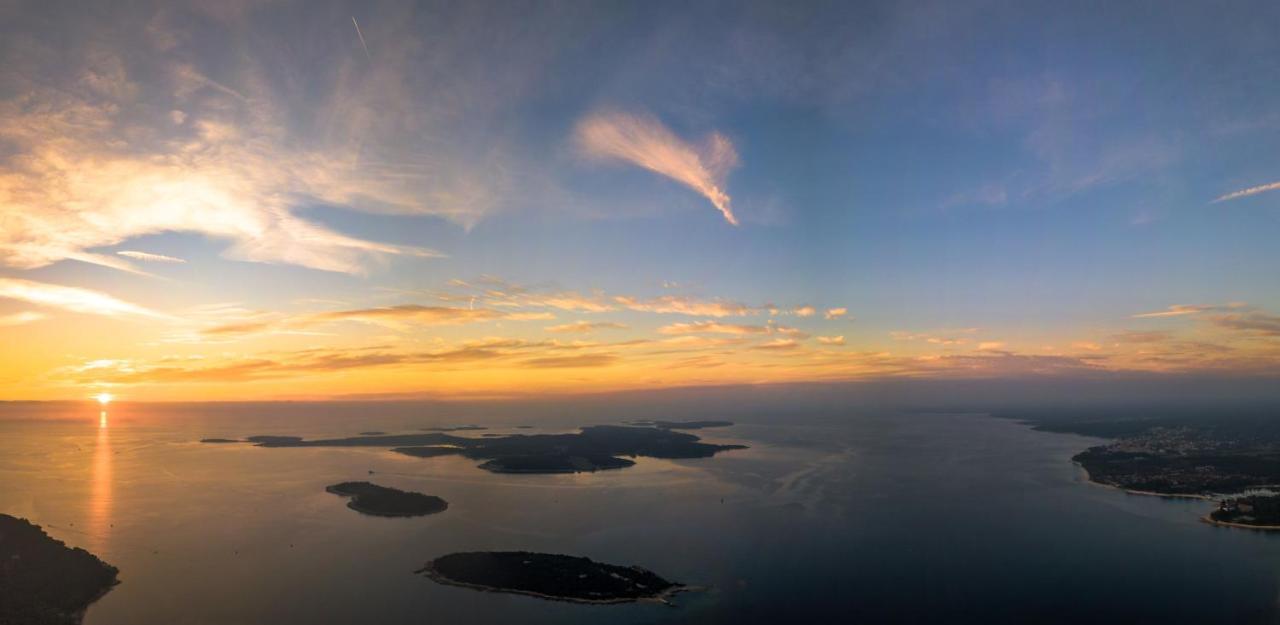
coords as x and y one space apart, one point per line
875 516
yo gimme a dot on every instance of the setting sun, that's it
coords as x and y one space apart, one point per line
103 398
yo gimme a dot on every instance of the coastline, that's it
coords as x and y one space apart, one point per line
1203 519
429 570
1146 493
1261 528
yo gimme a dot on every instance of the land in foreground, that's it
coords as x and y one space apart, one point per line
44 582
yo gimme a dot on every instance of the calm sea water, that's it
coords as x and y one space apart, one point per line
866 518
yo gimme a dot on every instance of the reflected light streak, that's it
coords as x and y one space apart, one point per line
100 495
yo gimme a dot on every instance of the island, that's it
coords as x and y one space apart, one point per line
550 576
555 463
221 440
376 500
683 425
592 448
44 582
1259 512
372 433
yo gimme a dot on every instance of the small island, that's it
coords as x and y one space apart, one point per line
550 576
221 440
44 582
1259 512
375 500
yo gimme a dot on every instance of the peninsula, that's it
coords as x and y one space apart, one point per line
550 576
1259 512
44 582
1187 453
378 500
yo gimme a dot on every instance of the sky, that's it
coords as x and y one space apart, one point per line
309 200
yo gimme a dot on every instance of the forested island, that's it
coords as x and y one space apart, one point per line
378 500
44 582
550 576
592 448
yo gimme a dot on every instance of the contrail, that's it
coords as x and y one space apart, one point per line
361 36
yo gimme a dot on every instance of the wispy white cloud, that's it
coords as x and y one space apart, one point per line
645 142
108 142
831 340
74 190
1262 188
359 34
72 299
685 306
835 313
1177 310
149 257
21 318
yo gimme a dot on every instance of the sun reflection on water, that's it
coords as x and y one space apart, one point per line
100 495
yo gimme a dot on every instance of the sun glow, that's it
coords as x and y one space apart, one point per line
103 398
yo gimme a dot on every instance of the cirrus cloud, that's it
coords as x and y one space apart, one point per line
645 142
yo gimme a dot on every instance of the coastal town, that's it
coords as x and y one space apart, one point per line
1187 460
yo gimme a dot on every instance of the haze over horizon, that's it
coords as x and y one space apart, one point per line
274 200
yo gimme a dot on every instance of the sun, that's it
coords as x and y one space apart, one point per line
104 398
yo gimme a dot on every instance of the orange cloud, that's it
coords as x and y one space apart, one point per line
712 327
584 327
